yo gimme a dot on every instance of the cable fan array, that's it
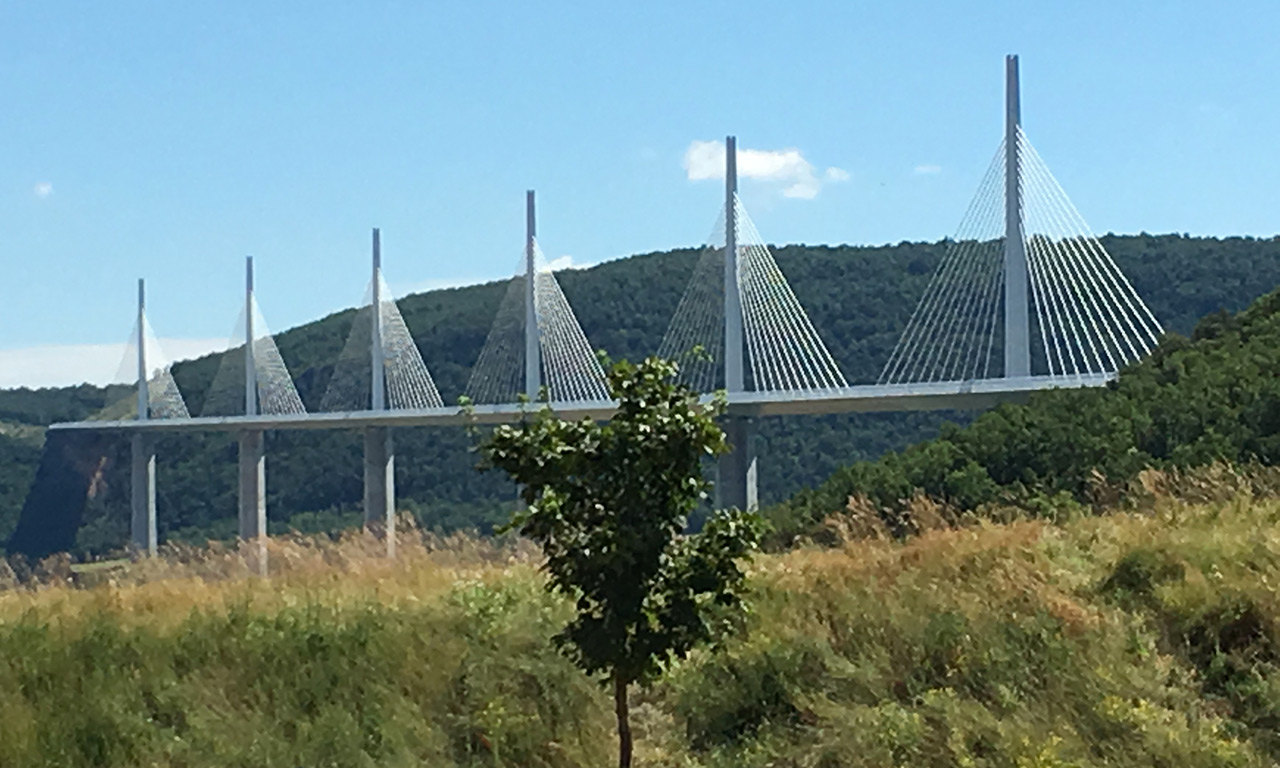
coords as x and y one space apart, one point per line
1086 318
695 336
275 391
164 400
407 381
783 350
569 368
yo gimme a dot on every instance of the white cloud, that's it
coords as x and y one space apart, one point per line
565 262
927 169
65 365
704 160
43 189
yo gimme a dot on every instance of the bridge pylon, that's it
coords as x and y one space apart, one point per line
754 335
736 471
157 398
379 453
252 487
1023 253
142 501
535 349
1017 323
532 345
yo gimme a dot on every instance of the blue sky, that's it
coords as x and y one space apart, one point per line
168 140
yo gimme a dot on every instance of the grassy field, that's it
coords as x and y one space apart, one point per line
1142 638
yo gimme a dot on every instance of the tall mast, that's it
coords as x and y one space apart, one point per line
250 367
732 298
1017 328
143 399
378 393
532 352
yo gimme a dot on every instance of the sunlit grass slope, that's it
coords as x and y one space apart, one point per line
1137 639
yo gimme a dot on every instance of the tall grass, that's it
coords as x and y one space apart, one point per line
342 658
1147 638
1023 644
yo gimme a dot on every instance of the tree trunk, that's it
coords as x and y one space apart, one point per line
624 720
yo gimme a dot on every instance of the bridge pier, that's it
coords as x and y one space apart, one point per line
737 471
253 499
380 486
379 457
142 502
142 528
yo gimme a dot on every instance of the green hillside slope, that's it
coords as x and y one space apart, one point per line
1212 398
859 298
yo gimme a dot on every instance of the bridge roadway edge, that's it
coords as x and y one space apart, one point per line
935 396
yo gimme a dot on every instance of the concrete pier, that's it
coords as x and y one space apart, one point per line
253 499
142 527
142 501
380 486
737 471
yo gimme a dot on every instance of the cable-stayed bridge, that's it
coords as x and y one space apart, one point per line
1024 299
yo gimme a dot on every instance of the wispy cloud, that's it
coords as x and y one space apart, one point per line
66 365
566 262
43 189
927 169
787 168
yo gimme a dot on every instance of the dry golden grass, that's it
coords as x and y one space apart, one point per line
349 570
1149 636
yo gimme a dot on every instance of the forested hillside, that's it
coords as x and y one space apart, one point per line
859 298
1212 398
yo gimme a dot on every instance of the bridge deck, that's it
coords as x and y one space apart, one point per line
935 396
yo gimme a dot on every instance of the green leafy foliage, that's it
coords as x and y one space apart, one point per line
608 503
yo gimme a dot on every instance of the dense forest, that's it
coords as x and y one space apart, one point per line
1214 397
859 299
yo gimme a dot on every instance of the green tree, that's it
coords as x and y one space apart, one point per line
608 503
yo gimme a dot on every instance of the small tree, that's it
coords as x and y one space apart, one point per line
608 503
